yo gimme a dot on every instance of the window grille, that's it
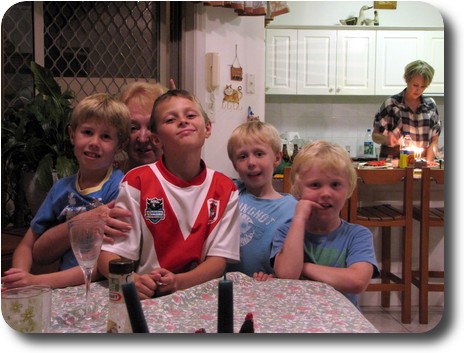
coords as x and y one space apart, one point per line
99 46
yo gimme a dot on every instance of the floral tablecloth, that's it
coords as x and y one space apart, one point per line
278 306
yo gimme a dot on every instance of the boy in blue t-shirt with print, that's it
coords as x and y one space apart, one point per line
255 150
99 128
318 245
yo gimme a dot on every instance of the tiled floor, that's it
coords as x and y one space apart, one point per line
388 320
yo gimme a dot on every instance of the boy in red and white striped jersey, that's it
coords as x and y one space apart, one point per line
184 215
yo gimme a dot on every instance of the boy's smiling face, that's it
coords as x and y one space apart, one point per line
180 125
255 163
328 188
94 145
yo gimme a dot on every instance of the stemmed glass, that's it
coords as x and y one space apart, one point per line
86 236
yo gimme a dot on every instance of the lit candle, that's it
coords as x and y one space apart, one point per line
418 153
225 306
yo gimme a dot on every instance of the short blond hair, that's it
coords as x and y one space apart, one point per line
327 156
105 110
251 132
143 93
419 68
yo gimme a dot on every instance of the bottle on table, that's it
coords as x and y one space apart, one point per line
295 152
285 155
407 151
369 145
121 271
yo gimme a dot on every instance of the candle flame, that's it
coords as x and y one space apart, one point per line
418 153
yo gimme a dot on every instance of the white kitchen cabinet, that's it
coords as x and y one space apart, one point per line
395 49
320 62
349 62
316 66
281 57
435 56
355 62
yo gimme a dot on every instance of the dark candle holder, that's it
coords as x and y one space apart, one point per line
225 322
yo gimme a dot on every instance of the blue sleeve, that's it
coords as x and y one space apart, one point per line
362 248
279 238
48 214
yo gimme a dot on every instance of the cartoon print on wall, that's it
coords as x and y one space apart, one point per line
232 97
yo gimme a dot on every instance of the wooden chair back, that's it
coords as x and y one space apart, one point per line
386 217
287 182
430 216
379 215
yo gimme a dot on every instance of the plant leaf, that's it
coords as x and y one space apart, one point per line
65 167
45 82
44 172
36 149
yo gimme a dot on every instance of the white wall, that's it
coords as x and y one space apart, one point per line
328 13
343 120
221 31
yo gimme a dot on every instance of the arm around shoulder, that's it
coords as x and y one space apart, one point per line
52 244
103 263
22 256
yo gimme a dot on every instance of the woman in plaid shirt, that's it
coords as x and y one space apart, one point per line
409 111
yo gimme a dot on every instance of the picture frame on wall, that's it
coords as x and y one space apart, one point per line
385 5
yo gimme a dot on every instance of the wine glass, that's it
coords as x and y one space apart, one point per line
86 236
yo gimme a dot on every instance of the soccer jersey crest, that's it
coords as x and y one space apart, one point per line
154 210
213 206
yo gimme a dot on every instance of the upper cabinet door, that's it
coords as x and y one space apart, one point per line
336 62
396 49
435 56
281 56
316 62
355 62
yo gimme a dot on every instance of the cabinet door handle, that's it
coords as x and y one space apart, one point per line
338 90
330 90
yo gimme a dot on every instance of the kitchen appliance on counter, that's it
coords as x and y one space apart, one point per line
291 138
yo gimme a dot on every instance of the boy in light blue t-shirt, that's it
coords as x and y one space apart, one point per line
255 150
318 245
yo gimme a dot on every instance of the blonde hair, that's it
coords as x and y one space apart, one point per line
144 94
105 110
253 131
327 156
419 68
175 93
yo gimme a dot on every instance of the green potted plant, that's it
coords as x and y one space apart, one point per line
35 137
